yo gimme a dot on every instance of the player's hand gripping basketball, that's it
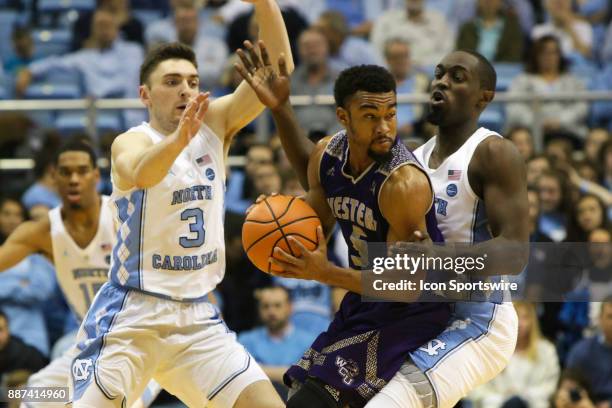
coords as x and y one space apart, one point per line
191 120
271 88
311 264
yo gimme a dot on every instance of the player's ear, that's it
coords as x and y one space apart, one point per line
485 98
143 92
342 115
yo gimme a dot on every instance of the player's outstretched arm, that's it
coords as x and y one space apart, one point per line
231 113
273 91
137 162
29 238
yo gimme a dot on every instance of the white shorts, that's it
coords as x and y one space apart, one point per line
129 337
474 349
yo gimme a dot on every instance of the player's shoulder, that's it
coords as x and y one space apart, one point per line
497 152
129 140
37 232
407 176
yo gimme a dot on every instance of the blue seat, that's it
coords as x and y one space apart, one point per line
69 122
55 6
51 42
52 90
506 72
8 18
493 118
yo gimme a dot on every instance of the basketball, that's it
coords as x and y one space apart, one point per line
271 222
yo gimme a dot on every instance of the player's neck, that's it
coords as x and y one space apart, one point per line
157 126
451 138
358 161
83 217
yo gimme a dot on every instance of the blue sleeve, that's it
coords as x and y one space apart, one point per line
31 288
577 355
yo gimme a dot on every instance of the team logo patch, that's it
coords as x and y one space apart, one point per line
210 174
347 369
433 347
80 369
451 190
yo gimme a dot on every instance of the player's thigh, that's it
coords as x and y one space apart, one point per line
260 394
119 348
208 365
469 358
409 387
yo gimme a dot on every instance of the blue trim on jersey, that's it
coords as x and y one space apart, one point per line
480 315
122 206
480 232
98 322
134 239
230 378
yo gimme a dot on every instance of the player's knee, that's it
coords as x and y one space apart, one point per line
312 395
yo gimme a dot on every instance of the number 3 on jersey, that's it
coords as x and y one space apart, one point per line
196 226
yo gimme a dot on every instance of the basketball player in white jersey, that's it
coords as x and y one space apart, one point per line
479 181
77 237
152 319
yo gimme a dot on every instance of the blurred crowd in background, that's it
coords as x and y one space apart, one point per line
55 49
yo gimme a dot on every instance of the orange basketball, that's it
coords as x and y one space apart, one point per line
271 222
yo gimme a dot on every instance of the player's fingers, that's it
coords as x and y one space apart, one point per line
285 257
421 235
321 237
264 54
253 54
282 66
244 73
203 108
260 198
294 243
245 60
285 266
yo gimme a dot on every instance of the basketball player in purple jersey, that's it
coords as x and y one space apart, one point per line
356 178
480 186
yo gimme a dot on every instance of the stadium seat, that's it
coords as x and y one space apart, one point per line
68 122
8 18
51 42
147 16
52 90
55 6
506 72
493 117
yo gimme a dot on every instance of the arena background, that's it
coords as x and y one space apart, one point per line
69 68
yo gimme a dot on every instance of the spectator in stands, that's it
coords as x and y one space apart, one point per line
554 202
536 166
493 33
15 354
314 76
266 180
535 234
23 49
531 375
593 357
399 62
546 74
345 49
427 32
130 27
589 213
42 196
278 343
587 182
241 192
605 164
587 170
104 68
25 287
559 149
523 140
573 391
595 12
574 34
211 52
606 52
593 143
601 263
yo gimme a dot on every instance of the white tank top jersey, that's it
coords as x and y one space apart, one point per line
460 213
170 239
82 271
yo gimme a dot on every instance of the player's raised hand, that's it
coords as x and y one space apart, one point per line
191 119
271 88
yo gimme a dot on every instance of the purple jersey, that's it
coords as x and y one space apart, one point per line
367 342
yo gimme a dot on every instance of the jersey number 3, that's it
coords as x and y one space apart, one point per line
196 226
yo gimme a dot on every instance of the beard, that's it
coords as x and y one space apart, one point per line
435 116
380 158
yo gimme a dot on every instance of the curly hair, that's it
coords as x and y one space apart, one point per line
367 78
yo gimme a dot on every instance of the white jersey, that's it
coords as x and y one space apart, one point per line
170 239
460 213
82 271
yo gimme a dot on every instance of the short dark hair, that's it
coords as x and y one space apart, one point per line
273 287
21 31
532 65
163 52
4 316
486 71
78 144
367 78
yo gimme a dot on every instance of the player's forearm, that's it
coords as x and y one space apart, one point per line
273 32
11 255
295 143
154 163
345 278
